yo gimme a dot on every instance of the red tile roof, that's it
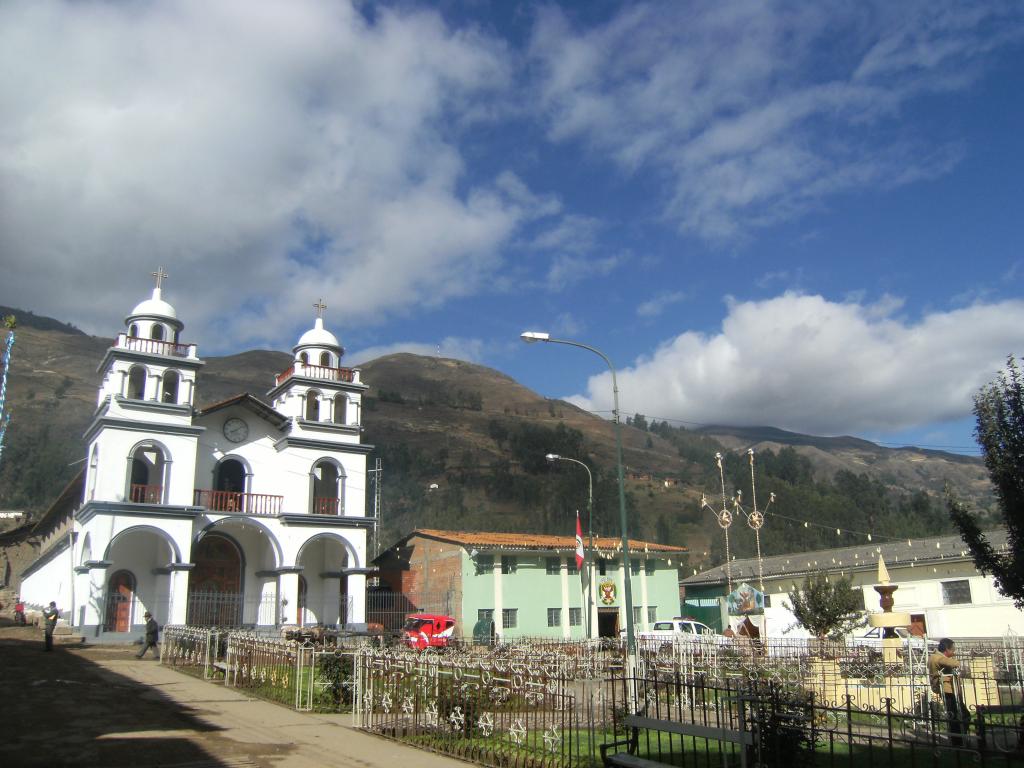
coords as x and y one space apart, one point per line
533 541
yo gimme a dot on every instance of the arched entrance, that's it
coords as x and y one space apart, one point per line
215 585
120 595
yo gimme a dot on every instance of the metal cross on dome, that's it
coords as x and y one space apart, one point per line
160 276
320 307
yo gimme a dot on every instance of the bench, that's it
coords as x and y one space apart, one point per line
636 723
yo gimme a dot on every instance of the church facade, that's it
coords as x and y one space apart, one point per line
242 513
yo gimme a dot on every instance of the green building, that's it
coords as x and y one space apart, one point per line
527 585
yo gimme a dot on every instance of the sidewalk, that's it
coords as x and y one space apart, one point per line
99 706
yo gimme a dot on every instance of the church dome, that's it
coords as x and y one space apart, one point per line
154 307
318 336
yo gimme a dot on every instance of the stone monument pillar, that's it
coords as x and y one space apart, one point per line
888 619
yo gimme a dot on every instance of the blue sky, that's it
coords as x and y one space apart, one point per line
794 214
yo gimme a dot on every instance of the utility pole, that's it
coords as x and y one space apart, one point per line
377 472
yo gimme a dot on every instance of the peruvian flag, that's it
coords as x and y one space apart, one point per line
579 543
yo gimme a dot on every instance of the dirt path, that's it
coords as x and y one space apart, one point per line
100 706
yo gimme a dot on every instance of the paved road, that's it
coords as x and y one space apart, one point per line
99 706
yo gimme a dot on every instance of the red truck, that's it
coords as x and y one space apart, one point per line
428 630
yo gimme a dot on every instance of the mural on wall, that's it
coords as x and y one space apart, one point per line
745 601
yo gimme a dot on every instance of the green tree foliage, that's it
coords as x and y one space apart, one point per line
827 608
999 410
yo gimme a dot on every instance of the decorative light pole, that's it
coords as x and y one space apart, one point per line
534 336
755 517
724 518
590 532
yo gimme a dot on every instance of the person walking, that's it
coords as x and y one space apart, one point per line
152 634
19 612
50 616
943 666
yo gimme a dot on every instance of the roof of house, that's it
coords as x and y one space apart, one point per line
919 552
249 402
537 541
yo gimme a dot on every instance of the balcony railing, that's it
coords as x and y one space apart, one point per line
155 346
241 503
146 494
322 372
326 506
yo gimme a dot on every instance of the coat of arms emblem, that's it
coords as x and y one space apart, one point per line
607 589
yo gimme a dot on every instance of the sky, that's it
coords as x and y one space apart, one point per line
803 215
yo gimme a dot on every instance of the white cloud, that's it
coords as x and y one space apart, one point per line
470 350
661 302
264 153
566 269
755 112
811 365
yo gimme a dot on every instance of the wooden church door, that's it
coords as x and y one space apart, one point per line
120 592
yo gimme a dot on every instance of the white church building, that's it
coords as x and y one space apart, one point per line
238 514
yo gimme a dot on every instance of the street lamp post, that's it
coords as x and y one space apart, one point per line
531 337
590 534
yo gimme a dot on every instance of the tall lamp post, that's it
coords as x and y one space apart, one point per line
531 337
590 533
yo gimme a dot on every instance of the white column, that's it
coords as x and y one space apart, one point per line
499 628
177 611
357 594
592 598
643 596
563 571
289 591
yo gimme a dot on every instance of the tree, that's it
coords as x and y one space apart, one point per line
999 410
827 608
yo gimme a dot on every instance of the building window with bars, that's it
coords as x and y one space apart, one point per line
553 565
554 617
575 617
636 615
652 614
649 566
956 592
570 566
634 567
509 618
484 564
509 564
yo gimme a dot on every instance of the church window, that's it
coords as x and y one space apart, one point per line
157 332
148 468
313 405
340 405
133 330
304 358
170 393
137 382
325 359
328 489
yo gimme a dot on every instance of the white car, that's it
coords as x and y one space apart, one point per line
873 639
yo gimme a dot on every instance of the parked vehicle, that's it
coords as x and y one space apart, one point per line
428 630
677 630
873 639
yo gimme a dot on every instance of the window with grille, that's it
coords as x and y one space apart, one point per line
636 614
509 618
484 564
575 617
602 567
956 592
509 564
652 614
649 567
554 617
634 567
570 565
554 566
